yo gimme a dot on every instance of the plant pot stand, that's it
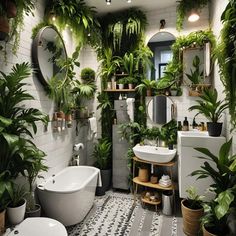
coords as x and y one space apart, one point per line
34 213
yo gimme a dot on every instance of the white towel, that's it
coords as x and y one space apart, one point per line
92 129
130 108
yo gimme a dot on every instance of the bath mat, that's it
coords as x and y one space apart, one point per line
116 215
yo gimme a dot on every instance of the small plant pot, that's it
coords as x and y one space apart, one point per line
68 118
130 86
16 215
121 86
4 28
214 129
206 232
149 92
143 175
109 85
191 219
2 221
173 92
34 213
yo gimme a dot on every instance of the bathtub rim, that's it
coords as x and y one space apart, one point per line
42 186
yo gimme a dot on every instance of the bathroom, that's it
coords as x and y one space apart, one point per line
101 111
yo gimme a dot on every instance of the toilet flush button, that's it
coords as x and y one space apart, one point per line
16 232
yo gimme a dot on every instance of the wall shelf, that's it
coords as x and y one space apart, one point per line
119 90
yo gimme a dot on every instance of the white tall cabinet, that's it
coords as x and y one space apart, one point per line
188 161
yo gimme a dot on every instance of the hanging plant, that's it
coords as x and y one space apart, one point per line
75 15
23 7
185 6
226 55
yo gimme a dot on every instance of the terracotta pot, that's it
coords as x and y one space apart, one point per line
11 8
149 92
61 115
130 86
2 221
207 233
68 118
4 28
191 219
143 175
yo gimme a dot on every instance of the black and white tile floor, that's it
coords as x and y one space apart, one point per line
115 215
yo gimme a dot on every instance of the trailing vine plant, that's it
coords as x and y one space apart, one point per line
226 55
184 7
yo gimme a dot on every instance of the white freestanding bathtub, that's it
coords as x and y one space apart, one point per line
69 195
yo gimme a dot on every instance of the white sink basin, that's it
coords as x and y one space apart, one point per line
153 153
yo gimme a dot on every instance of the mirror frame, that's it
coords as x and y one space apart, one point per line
173 109
35 58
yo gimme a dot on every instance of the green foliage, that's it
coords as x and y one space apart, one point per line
39 26
17 126
102 154
196 76
226 55
130 80
74 14
168 132
194 201
145 85
17 195
83 90
185 6
209 105
87 74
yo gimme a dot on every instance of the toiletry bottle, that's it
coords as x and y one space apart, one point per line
179 126
194 124
185 124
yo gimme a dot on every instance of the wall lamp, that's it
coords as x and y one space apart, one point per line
129 1
108 2
193 16
162 24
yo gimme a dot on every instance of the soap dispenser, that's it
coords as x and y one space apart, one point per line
185 125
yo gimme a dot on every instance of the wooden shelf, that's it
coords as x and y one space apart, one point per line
150 202
150 185
171 163
120 75
119 90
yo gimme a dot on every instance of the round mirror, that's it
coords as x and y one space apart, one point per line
161 109
160 44
48 53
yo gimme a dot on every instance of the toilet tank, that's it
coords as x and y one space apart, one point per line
188 161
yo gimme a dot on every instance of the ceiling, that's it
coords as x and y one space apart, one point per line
116 5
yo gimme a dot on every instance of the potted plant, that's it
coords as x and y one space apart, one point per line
192 211
196 77
18 124
34 165
16 208
212 109
87 75
121 83
146 86
223 173
131 81
102 155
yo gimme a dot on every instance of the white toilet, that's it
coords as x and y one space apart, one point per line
38 226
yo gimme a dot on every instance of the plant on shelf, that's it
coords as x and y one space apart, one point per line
212 109
131 81
87 75
222 170
75 14
18 124
147 86
102 155
225 55
196 75
185 7
121 83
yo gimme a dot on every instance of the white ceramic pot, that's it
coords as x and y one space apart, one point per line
121 86
16 214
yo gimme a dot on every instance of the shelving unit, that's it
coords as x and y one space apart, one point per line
119 90
137 182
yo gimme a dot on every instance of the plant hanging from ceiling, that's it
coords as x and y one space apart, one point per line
75 15
123 31
13 12
185 7
226 55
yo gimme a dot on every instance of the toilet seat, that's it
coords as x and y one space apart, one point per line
38 226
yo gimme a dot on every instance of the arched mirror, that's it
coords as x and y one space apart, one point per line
160 44
161 109
48 53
